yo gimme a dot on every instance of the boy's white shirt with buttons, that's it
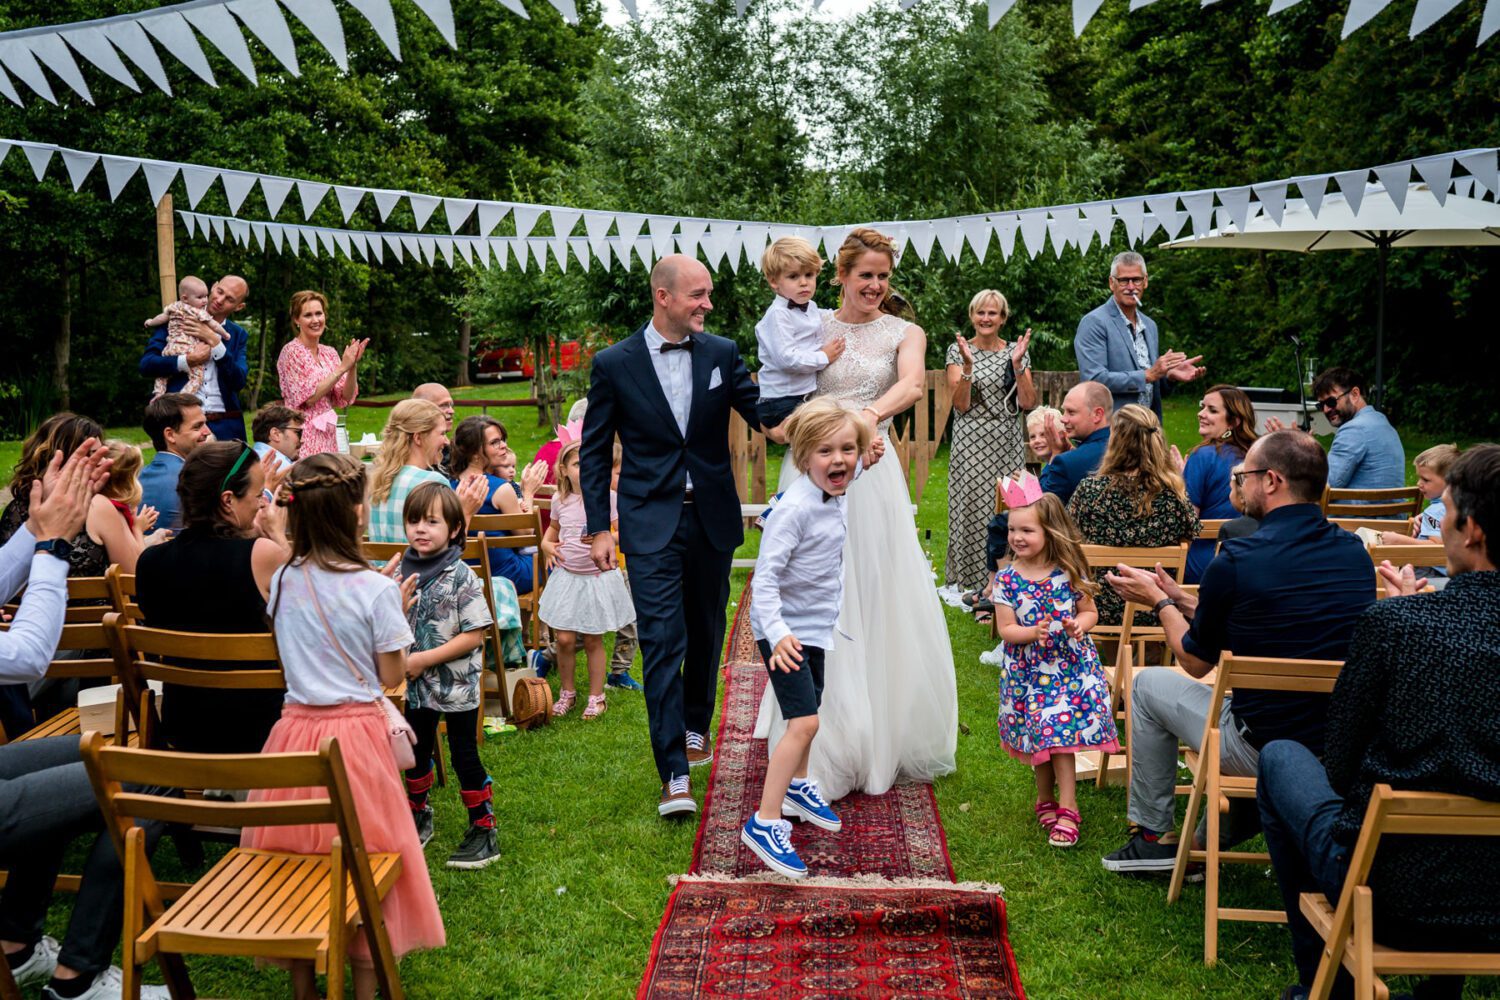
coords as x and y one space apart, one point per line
799 576
789 341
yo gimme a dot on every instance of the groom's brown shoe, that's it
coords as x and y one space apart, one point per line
676 798
698 750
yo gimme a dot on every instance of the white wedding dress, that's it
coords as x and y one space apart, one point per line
890 703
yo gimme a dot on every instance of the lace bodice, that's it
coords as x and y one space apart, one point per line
867 368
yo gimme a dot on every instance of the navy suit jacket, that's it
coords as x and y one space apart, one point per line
232 368
1064 472
626 398
1103 347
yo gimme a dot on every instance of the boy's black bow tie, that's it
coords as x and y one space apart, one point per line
684 345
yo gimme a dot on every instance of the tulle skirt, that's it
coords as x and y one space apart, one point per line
410 909
890 702
589 604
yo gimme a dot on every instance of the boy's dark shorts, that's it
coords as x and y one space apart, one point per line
798 692
772 410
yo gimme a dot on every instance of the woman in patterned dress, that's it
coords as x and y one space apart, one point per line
990 382
890 707
315 378
1137 498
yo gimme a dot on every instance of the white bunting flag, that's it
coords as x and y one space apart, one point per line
526 217
39 157
1437 171
1395 178
1272 199
490 214
78 164
1352 184
275 190
457 211
348 198
237 187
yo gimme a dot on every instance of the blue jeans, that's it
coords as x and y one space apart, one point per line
1297 809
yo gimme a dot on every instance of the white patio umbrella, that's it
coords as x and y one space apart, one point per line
1376 222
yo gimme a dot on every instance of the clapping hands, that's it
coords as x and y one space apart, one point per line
1401 582
60 498
408 584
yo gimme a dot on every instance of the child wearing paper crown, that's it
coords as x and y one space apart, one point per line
579 599
789 337
1054 699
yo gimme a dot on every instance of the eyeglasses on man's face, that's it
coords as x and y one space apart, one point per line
1239 477
1332 402
1138 279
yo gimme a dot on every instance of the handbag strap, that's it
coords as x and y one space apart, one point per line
318 607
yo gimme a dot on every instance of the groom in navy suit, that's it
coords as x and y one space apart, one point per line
227 368
667 390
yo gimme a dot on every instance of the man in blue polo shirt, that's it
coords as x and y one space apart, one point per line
1293 589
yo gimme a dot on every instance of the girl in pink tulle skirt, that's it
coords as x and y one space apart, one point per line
341 632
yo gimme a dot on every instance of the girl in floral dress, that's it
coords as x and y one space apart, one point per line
1054 699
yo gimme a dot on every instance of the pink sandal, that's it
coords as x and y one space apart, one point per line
1062 836
1046 814
564 703
595 707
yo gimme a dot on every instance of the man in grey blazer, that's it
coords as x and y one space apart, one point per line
1117 344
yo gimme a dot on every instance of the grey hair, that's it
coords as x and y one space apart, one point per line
1129 258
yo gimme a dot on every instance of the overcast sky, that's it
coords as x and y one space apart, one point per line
614 12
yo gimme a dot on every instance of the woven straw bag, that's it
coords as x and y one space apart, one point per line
531 703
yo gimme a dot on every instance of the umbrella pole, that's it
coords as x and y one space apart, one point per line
1382 251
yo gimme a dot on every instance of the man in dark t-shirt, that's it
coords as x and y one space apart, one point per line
1293 589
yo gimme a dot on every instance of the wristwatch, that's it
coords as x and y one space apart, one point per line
57 547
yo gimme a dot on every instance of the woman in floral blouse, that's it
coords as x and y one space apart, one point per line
314 378
1137 499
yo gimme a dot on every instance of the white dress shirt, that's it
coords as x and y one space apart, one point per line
27 648
790 344
674 370
799 575
209 394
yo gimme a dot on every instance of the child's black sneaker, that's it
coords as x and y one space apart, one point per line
478 849
423 818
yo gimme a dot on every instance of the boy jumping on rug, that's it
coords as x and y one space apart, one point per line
794 608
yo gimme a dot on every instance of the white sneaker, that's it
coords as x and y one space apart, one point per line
40 966
991 657
109 985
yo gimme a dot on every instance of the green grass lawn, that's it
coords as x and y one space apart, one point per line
571 909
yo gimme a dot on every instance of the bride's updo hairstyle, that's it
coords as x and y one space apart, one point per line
858 243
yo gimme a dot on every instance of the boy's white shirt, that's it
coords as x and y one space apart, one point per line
790 345
798 587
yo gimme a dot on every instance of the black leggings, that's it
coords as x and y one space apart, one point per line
462 745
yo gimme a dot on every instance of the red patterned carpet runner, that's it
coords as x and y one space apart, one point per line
875 920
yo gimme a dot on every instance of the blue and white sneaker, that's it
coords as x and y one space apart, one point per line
772 843
539 662
622 679
805 801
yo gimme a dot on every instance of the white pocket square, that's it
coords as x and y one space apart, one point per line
715 380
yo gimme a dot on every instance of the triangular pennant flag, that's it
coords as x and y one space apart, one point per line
190 223
1236 202
40 156
357 242
949 237
566 9
458 211
490 214
734 249
1489 23
240 229
375 247
1395 178
1083 13
465 247
833 237
258 234
341 240
131 39
533 251
117 173
8 91
922 235
159 177
641 247
197 180
311 193
580 250
1360 11
1199 205
1063 227
215 228
277 234
1352 184
1132 212
712 245
445 246
1277 6
629 226
265 21
659 226
1428 13
977 230
1099 218
50 50
383 20
563 221
500 250
606 259
293 239
393 244
412 247
441 15
1164 207
91 42
237 185
177 38
1272 199
596 225
1437 171
16 57
1313 189
326 239
1034 230
385 202
1464 188
78 164
560 251
216 24
322 19
755 238
998 9
349 199
525 217
1006 227
1483 165
690 232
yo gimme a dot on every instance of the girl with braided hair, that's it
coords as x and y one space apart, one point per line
342 635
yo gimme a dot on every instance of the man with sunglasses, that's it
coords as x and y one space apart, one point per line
1117 344
1366 453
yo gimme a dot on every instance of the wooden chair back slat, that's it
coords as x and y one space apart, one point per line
122 593
1171 557
219 647
207 812
382 551
1353 524
1402 501
237 680
1415 555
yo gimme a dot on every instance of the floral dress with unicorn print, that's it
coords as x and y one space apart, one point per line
1054 697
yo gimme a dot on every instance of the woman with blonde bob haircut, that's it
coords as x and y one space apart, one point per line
1136 498
890 707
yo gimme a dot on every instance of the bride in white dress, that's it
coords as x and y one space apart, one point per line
890 704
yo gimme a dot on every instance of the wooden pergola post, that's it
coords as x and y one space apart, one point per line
166 250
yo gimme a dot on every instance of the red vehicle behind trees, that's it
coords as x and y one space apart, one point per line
494 362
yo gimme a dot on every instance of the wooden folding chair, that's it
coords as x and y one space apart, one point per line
270 904
1401 555
122 594
1348 929
1212 790
1121 672
1405 501
90 638
88 600
519 531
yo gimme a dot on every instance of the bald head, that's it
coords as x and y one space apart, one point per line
227 297
680 296
1085 409
438 396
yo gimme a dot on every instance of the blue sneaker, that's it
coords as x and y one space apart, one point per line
772 843
539 663
763 516
622 679
804 801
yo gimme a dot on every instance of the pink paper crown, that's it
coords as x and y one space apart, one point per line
569 432
1020 490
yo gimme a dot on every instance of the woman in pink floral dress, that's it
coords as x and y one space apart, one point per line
314 378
